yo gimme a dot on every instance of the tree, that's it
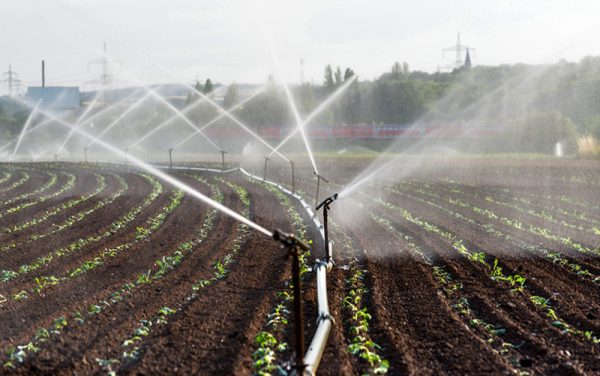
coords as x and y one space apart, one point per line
329 83
396 70
208 86
338 77
231 96
198 87
348 74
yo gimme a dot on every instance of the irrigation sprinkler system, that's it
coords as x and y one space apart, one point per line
219 117
294 247
265 169
325 205
293 177
306 362
319 178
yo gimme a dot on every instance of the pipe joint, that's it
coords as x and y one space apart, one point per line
325 317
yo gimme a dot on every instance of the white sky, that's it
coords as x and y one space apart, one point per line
179 40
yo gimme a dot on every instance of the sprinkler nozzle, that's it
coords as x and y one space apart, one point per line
327 201
289 240
320 177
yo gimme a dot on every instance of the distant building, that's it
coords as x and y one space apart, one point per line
54 97
467 64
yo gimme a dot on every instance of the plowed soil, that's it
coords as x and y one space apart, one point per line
470 322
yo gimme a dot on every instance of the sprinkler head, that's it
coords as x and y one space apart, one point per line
327 201
321 177
289 240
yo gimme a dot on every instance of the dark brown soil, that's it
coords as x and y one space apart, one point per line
414 319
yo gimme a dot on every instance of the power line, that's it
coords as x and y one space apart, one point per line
11 80
459 49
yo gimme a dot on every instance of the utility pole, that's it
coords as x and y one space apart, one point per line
459 50
11 80
105 75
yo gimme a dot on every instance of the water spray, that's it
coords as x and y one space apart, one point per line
286 89
122 116
187 109
169 179
319 178
25 127
55 157
219 117
294 247
320 108
325 205
235 120
83 115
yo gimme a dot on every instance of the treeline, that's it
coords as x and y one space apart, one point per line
13 115
556 102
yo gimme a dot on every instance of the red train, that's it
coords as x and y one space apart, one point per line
384 131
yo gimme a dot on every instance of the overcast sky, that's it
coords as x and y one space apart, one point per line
178 40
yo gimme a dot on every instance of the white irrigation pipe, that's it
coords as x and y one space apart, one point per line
315 351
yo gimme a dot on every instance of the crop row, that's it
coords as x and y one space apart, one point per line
362 345
271 342
515 282
162 267
72 219
49 184
545 202
131 345
490 334
5 176
117 226
554 256
69 184
142 233
48 213
22 180
544 215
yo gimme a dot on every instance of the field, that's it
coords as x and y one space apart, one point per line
485 267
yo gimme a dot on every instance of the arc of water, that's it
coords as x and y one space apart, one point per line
318 110
27 122
167 178
83 115
226 113
288 93
188 108
50 121
242 125
365 176
222 115
30 130
182 116
123 114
